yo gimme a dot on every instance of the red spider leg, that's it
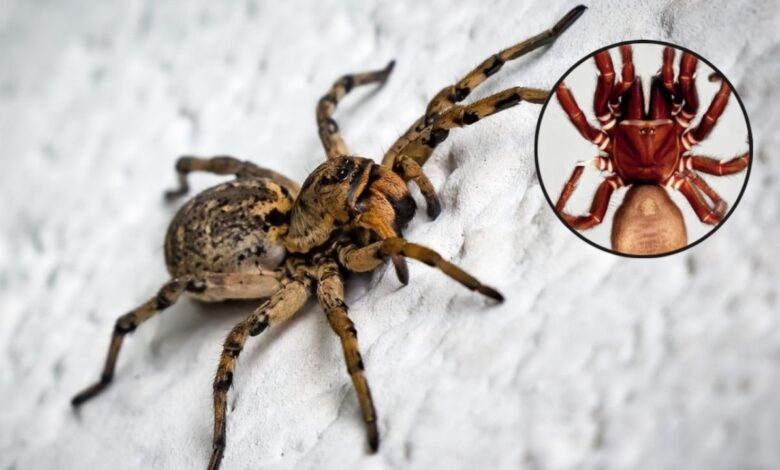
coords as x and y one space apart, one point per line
709 119
634 104
600 162
687 84
577 117
598 207
627 74
604 85
706 214
713 166
660 101
720 205
569 187
667 72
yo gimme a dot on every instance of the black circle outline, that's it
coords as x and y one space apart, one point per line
679 48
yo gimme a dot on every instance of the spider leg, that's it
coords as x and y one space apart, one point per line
367 258
713 166
409 169
459 116
569 187
719 205
456 93
598 207
223 165
565 97
667 72
627 75
360 259
604 88
715 110
283 304
452 94
688 187
208 286
601 163
687 87
328 129
373 220
330 294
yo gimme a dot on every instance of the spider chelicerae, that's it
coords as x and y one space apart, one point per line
261 236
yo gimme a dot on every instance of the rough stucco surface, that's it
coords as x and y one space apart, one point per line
593 362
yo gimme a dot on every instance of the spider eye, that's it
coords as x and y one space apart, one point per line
343 172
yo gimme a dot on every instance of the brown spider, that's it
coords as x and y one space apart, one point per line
260 236
648 150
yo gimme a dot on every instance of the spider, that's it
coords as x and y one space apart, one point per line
261 236
648 151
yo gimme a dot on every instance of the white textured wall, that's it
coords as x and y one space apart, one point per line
594 362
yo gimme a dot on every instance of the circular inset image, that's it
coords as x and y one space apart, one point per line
643 149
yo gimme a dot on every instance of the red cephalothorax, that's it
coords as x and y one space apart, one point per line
648 146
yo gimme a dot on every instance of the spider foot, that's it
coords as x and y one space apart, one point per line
173 194
401 269
216 457
88 393
490 292
373 437
569 19
720 209
387 70
432 206
91 391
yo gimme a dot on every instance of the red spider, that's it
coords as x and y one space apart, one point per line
640 148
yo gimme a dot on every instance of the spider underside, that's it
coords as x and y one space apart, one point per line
644 148
262 236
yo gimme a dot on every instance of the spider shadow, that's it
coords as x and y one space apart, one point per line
179 331
187 323
256 347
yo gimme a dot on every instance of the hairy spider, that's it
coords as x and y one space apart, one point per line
260 236
647 151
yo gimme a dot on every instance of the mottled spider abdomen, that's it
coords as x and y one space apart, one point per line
236 226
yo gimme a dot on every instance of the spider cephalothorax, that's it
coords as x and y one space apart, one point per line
345 193
355 196
260 236
646 146
652 146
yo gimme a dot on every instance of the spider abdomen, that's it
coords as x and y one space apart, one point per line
236 226
648 222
